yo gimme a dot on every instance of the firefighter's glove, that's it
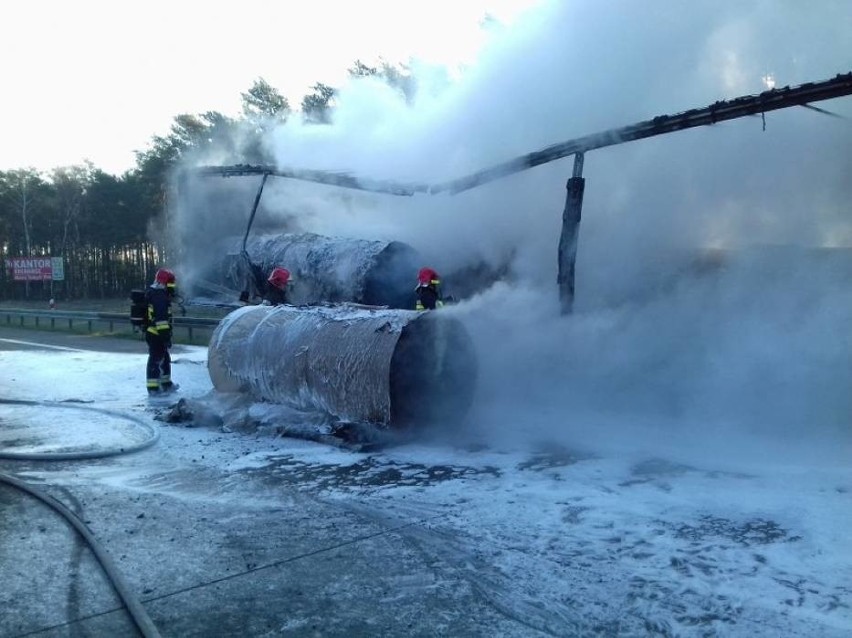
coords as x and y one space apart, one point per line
167 337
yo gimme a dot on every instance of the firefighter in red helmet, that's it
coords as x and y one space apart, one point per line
428 290
158 331
276 288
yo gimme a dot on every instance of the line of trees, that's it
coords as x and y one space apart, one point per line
111 229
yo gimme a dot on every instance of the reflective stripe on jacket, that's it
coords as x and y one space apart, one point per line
159 310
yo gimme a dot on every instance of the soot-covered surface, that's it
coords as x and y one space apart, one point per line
380 366
325 269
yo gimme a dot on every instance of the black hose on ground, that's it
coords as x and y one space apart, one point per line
79 456
134 606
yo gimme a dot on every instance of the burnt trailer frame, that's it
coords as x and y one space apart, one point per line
724 110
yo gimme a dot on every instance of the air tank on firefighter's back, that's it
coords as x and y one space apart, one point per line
325 269
391 368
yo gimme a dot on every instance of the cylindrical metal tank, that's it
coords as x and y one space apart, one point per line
325 269
392 368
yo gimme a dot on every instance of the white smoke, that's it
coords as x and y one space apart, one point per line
570 69
762 344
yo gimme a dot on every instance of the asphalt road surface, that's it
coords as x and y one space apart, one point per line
212 551
221 530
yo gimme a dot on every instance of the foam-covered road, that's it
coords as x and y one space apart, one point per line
221 533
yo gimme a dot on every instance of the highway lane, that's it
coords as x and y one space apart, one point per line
13 338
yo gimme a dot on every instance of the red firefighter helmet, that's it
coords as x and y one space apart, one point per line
164 276
279 277
426 276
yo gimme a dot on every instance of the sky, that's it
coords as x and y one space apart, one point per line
96 80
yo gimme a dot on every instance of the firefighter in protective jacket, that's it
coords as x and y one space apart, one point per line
276 287
158 331
428 290
272 290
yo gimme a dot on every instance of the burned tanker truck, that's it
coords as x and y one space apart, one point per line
345 346
392 369
323 269
347 343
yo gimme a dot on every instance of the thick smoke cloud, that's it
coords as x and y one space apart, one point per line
570 69
669 340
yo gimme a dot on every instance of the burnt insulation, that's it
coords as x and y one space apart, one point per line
325 269
392 368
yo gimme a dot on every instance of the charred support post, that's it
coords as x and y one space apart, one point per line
254 208
250 283
570 231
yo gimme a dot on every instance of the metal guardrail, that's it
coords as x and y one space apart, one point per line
19 317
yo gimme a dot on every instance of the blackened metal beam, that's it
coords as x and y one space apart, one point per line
780 98
330 178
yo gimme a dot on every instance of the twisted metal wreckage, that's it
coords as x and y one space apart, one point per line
389 366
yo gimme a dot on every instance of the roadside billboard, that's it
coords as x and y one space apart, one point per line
36 268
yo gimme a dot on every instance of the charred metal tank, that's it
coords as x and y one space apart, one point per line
392 368
325 269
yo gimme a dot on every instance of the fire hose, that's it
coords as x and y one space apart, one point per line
131 602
